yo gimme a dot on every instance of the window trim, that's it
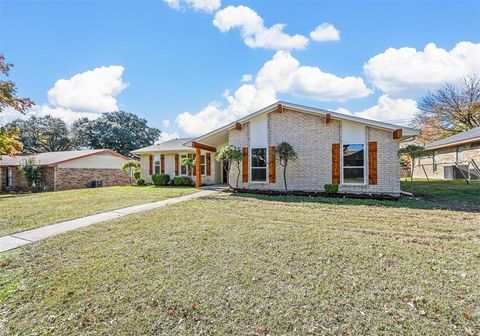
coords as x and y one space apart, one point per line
250 166
8 177
434 161
182 156
203 166
365 165
155 165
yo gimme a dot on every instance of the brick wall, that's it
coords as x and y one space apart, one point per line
445 157
312 139
77 178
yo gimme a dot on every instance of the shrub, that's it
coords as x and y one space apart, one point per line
136 175
140 182
160 179
331 188
182 181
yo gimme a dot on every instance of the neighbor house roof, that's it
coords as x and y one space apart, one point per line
407 131
472 135
167 146
54 158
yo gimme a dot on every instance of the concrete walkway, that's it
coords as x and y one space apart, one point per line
27 237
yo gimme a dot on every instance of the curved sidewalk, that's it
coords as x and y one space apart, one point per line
30 236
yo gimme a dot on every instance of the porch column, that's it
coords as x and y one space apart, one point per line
198 159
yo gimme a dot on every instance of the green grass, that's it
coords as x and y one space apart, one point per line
20 212
455 194
233 265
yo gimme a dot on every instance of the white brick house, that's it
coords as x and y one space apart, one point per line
358 154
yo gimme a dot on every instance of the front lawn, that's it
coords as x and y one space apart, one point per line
456 194
20 212
234 265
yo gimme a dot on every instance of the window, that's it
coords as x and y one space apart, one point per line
354 163
460 154
183 168
434 159
9 177
202 164
258 165
157 164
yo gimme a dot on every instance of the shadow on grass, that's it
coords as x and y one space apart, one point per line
403 202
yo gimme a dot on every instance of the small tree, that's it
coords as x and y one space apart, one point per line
131 166
412 152
285 153
32 172
189 163
231 154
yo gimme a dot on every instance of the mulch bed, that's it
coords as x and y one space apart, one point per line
381 197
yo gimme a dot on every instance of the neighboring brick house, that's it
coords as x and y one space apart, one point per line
454 157
66 170
359 154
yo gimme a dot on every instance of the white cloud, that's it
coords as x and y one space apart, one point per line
253 30
208 6
282 74
166 123
396 111
165 136
87 94
405 72
325 32
247 78
91 91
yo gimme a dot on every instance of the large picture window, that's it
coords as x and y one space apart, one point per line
157 164
258 165
354 163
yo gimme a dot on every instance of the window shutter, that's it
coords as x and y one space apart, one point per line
162 164
176 164
208 163
271 165
245 164
194 168
150 166
336 163
372 163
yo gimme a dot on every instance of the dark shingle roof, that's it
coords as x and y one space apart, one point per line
463 137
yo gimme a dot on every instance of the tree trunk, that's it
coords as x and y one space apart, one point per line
285 177
228 176
238 174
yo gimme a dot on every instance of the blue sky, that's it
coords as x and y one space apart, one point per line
175 61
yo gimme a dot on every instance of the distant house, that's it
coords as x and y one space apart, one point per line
457 156
66 170
358 154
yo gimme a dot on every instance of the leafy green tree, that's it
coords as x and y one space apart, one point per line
9 138
411 152
131 166
120 131
32 172
189 163
42 134
285 153
232 155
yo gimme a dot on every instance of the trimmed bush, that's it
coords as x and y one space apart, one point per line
160 179
140 182
182 181
136 175
331 188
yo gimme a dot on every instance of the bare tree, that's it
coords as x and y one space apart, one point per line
450 110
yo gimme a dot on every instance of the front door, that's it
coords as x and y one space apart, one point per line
225 172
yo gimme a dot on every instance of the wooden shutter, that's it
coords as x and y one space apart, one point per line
176 164
208 163
271 165
336 163
194 168
162 164
150 165
189 168
372 163
245 164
